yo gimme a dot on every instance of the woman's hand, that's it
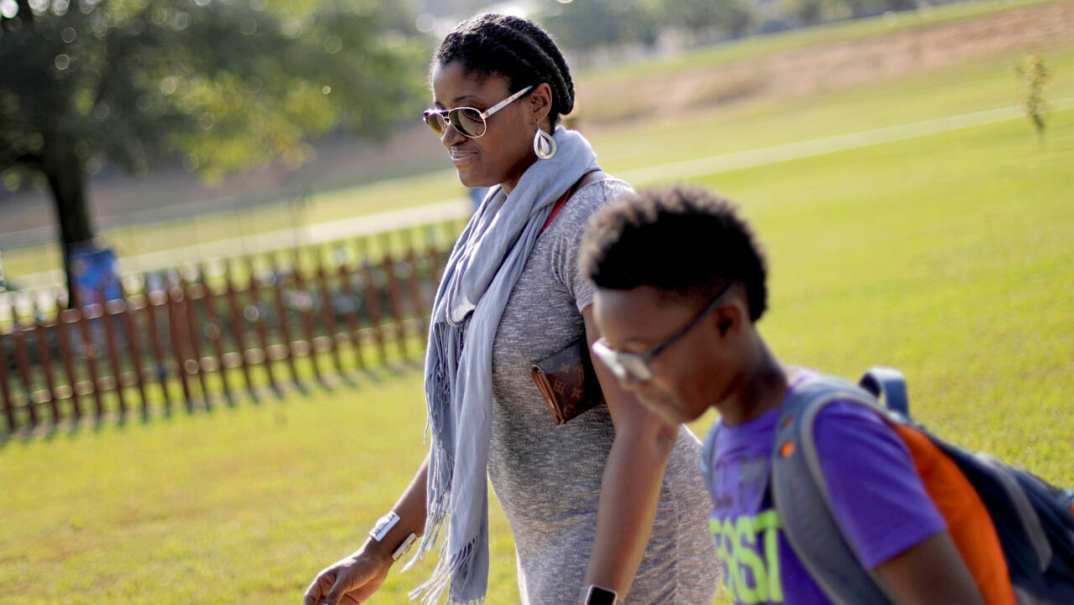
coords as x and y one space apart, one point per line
354 579
349 581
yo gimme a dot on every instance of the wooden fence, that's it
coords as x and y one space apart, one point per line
215 332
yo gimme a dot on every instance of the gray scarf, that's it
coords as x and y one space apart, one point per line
481 272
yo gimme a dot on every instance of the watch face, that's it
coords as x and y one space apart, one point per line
600 596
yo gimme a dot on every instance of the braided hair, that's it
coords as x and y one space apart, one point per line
514 48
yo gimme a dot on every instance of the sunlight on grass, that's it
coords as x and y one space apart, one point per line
948 256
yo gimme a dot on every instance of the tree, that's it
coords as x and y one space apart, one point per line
708 20
226 84
590 24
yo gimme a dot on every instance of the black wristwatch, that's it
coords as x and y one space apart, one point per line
597 595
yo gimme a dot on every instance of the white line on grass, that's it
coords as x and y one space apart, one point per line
740 160
459 207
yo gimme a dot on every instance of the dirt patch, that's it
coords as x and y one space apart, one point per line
831 66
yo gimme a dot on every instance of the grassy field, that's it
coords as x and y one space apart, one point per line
949 256
861 29
980 85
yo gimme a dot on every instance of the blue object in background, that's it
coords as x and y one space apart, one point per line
477 194
94 268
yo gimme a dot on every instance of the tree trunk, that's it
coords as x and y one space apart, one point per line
66 174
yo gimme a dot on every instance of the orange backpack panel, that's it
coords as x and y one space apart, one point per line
968 520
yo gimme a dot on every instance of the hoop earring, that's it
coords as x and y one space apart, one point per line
544 145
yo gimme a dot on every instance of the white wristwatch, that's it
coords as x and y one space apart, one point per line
383 526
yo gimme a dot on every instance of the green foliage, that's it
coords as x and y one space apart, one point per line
1036 76
588 24
228 84
709 18
591 24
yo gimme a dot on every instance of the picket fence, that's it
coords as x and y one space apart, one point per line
213 332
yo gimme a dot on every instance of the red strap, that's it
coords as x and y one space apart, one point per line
562 201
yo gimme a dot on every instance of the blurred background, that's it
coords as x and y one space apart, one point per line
221 222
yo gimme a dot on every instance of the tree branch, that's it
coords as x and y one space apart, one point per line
26 14
30 160
114 60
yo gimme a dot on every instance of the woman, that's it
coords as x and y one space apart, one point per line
609 507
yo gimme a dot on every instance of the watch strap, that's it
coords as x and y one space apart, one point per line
404 547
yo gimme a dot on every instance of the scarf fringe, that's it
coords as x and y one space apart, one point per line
449 570
445 344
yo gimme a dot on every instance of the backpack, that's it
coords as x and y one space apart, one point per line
1033 520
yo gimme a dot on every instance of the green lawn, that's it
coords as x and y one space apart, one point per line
949 256
847 31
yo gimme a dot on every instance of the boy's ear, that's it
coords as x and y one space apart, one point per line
727 317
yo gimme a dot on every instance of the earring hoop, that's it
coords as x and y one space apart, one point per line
544 145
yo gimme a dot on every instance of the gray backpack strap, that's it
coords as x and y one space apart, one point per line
801 496
708 447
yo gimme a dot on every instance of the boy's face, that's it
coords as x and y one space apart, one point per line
692 373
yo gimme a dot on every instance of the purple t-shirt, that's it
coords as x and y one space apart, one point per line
877 497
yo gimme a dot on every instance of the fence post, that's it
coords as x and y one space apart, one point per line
414 282
175 327
86 314
191 295
22 364
238 333
285 327
134 350
328 315
388 263
306 313
64 318
215 333
154 299
372 301
254 290
353 332
438 257
5 385
41 328
109 310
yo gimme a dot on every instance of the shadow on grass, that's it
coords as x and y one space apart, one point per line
168 411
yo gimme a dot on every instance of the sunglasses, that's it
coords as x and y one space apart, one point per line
468 121
636 366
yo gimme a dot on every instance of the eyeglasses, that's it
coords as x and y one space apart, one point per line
468 121
635 366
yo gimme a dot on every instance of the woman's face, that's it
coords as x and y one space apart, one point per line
506 149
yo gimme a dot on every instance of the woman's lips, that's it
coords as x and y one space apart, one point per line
459 156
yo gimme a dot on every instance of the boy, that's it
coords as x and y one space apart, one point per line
680 286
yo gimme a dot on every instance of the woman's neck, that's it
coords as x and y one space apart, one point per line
508 184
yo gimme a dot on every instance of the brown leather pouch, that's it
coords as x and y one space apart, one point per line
566 378
567 382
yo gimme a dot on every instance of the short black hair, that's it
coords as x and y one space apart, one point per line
683 240
515 48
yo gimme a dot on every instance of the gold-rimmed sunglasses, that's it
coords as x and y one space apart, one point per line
470 122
